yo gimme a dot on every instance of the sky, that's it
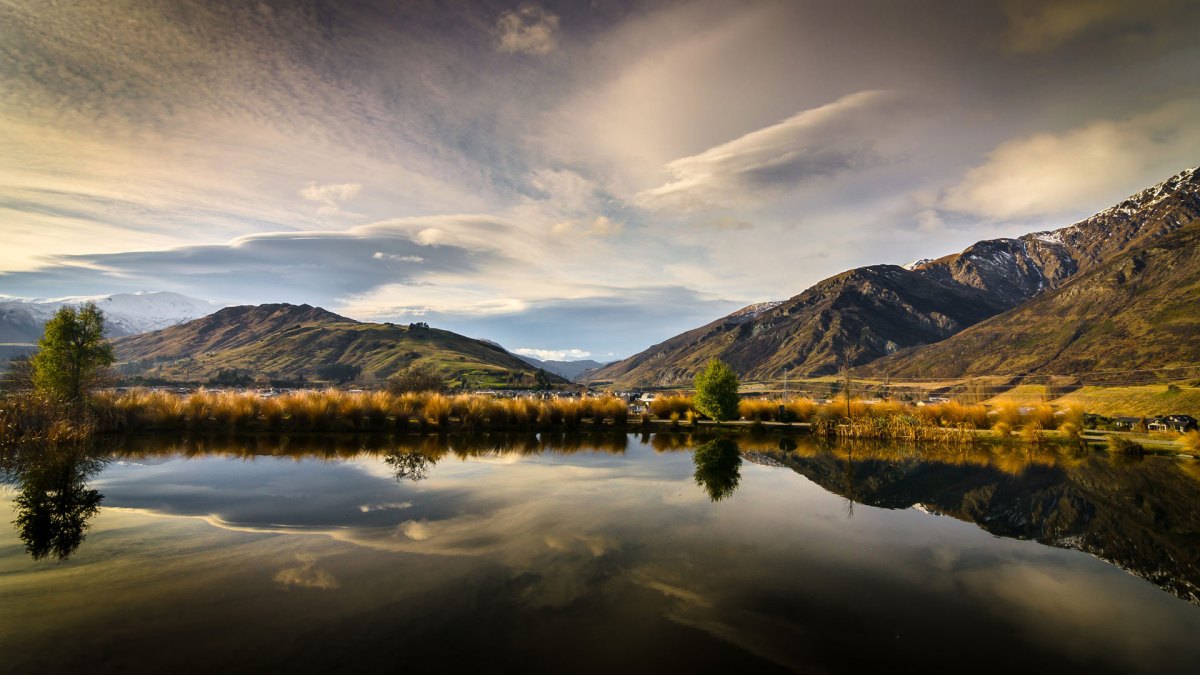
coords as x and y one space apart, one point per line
569 179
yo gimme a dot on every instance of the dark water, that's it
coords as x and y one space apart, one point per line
607 554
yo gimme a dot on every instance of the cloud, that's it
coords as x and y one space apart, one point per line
314 266
330 197
552 354
601 226
1082 169
394 257
1044 25
527 30
847 135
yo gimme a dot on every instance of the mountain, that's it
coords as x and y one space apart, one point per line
568 369
22 321
870 312
283 341
1138 310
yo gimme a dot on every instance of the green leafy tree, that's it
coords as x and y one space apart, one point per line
73 357
717 391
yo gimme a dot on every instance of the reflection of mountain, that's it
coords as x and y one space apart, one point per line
1140 516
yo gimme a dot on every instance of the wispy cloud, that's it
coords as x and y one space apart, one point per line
330 197
1082 169
843 136
527 30
1044 25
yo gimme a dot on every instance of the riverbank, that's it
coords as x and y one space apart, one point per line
28 418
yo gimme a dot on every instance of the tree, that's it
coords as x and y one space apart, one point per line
417 377
542 379
717 391
73 356
338 373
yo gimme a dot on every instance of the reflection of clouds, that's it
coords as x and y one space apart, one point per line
1055 604
559 529
417 531
682 594
306 575
596 545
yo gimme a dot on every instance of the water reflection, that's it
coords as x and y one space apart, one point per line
577 553
409 464
1139 515
54 504
718 467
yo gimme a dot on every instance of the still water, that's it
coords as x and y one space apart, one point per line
595 554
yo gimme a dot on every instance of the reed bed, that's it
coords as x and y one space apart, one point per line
336 411
331 411
662 407
41 420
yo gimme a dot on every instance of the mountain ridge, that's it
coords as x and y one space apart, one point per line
871 312
284 341
23 320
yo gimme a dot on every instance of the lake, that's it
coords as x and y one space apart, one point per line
598 553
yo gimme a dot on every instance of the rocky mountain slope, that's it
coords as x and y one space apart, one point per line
125 313
1141 309
282 341
871 312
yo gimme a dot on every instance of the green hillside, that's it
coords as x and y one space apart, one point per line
289 342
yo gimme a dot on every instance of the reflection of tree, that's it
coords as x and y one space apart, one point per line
718 467
848 484
407 463
55 504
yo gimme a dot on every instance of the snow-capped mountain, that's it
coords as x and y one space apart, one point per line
21 320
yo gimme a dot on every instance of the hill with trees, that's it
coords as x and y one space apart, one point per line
293 342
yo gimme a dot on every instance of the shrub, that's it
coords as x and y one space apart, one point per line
662 406
418 377
1032 433
1190 442
1003 430
802 408
1124 446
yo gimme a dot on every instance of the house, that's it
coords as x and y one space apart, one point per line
1128 423
1180 423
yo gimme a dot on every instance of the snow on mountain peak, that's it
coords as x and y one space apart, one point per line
126 313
